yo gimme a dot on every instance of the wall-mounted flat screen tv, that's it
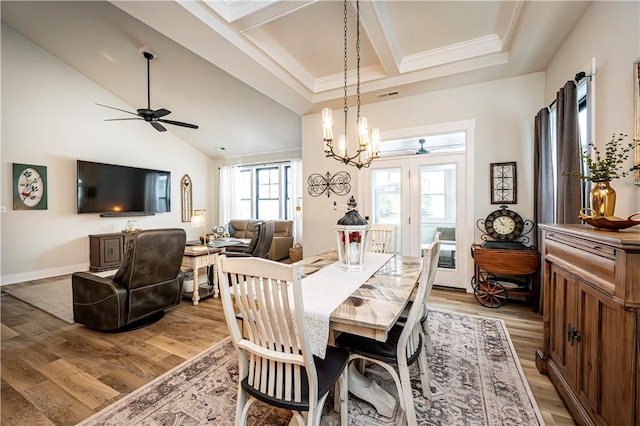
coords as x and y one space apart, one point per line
114 190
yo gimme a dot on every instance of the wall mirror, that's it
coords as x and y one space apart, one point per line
186 198
636 102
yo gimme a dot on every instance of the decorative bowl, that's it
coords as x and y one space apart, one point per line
608 222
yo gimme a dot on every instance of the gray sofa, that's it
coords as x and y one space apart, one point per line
242 229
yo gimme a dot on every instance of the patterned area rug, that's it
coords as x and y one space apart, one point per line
476 380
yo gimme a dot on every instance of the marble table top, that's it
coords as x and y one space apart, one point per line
375 306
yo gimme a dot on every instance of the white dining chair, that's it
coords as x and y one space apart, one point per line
382 238
275 362
404 345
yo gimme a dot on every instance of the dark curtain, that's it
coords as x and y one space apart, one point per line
569 199
543 193
543 201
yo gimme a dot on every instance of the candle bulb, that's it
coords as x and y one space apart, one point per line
327 127
342 145
375 141
363 132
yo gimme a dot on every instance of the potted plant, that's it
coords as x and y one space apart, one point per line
603 168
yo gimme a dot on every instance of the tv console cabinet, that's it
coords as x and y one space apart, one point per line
591 322
106 251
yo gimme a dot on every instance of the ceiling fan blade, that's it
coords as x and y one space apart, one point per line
117 109
179 123
121 119
159 127
160 113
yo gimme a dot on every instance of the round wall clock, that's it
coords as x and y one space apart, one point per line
504 224
29 187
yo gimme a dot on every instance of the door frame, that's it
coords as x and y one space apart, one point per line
465 189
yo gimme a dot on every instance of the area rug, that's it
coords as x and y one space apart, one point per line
54 297
476 380
51 295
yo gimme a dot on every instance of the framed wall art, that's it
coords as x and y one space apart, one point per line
503 183
636 117
29 187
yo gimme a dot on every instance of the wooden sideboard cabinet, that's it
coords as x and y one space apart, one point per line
591 309
106 251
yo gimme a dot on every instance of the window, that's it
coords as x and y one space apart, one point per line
437 194
268 200
583 124
584 131
266 192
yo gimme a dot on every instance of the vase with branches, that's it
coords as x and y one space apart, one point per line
603 168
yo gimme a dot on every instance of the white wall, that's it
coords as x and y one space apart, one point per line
503 112
609 32
49 118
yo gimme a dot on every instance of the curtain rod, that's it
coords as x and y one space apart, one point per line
263 164
259 164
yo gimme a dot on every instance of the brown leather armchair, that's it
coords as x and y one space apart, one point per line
148 282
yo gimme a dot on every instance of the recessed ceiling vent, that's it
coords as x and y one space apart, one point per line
386 95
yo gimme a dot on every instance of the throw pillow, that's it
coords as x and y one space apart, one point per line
232 232
254 241
219 231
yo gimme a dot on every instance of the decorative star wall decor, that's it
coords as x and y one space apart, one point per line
338 184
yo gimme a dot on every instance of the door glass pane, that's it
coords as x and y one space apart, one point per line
438 210
386 203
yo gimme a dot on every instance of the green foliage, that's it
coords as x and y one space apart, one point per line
606 168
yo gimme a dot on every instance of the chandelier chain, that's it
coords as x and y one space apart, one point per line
345 108
358 56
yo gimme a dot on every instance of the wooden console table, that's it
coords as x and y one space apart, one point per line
591 328
106 251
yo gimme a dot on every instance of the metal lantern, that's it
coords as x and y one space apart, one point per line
352 237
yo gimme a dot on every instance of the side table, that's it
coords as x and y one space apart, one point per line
195 259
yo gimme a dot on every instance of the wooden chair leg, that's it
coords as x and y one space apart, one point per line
407 395
423 367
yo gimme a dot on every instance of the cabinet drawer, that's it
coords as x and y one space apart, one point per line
583 245
593 262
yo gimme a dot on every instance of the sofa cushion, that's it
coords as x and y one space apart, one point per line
283 228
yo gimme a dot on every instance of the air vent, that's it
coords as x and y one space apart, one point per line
384 95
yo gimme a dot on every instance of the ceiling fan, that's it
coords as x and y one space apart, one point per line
147 114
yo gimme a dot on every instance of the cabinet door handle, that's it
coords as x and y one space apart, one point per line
573 335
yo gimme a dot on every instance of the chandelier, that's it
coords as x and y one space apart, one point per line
367 139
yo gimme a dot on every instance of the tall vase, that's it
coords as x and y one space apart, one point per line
603 199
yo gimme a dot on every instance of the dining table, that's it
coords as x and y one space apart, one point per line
379 296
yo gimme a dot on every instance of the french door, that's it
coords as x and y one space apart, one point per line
423 195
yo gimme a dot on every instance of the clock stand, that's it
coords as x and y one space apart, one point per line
504 259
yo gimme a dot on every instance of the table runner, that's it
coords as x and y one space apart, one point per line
326 289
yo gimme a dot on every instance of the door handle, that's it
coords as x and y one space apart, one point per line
569 332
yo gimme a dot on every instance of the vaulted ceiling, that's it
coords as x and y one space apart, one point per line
292 50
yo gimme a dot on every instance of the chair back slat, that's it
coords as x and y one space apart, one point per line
275 355
382 238
410 338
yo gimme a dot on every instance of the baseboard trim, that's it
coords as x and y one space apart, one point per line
44 273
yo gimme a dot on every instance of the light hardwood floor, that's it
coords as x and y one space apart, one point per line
54 373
